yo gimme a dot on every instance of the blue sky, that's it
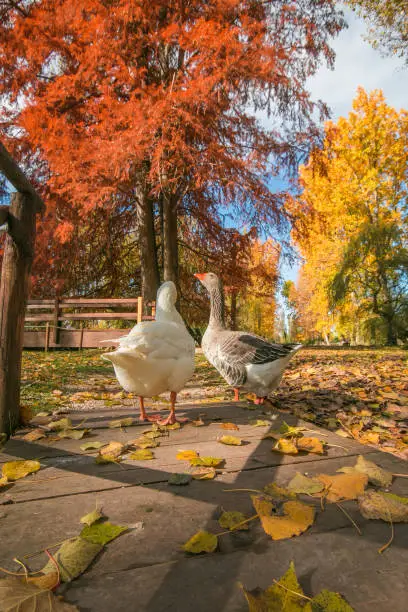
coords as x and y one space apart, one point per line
357 63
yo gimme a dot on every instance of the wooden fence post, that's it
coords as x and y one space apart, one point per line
139 309
55 333
14 286
47 337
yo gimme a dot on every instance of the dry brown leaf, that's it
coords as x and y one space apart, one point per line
113 449
32 436
19 596
385 506
203 473
45 581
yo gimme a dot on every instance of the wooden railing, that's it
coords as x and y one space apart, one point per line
46 317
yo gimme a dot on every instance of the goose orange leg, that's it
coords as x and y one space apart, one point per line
259 401
143 416
236 394
171 419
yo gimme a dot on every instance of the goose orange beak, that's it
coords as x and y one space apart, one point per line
200 276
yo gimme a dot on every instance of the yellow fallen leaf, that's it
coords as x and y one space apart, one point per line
385 506
113 449
3 481
230 426
342 486
206 461
263 505
202 541
142 454
186 455
230 440
203 473
143 442
369 437
14 470
286 595
310 445
64 423
287 447
259 423
91 518
297 518
173 426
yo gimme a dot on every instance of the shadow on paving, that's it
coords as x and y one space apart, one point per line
181 572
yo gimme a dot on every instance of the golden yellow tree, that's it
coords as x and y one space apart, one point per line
352 223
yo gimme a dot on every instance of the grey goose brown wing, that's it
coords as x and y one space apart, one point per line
241 349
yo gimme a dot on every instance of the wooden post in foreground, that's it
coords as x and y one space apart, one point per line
14 286
139 309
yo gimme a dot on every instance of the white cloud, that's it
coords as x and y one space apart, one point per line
357 63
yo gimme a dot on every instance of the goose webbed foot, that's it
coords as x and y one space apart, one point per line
144 417
259 401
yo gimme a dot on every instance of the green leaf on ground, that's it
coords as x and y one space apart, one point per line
64 423
91 518
286 595
231 520
278 493
291 432
74 434
202 541
206 461
92 445
73 558
179 479
102 533
376 474
304 484
327 601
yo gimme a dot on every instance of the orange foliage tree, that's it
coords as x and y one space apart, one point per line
147 112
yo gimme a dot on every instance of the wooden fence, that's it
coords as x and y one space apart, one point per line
44 321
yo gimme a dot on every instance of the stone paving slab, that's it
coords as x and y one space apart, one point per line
147 566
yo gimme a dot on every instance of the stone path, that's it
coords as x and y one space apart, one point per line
145 570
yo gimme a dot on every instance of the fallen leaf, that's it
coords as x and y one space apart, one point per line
386 506
278 493
32 436
179 479
64 423
206 461
122 422
286 447
186 455
142 454
74 434
263 505
3 481
203 473
342 486
230 440
113 449
73 558
101 533
297 518
202 541
232 519
143 442
19 596
310 445
46 581
14 470
328 601
230 426
152 435
376 474
286 595
304 484
291 432
173 426
91 518
91 445
259 423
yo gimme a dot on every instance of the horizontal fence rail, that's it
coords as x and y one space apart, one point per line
53 312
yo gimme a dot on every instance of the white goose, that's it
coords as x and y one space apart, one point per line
244 360
156 356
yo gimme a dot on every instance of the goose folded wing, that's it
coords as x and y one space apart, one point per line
241 350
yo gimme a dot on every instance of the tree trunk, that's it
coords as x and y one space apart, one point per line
14 288
147 245
170 244
391 333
